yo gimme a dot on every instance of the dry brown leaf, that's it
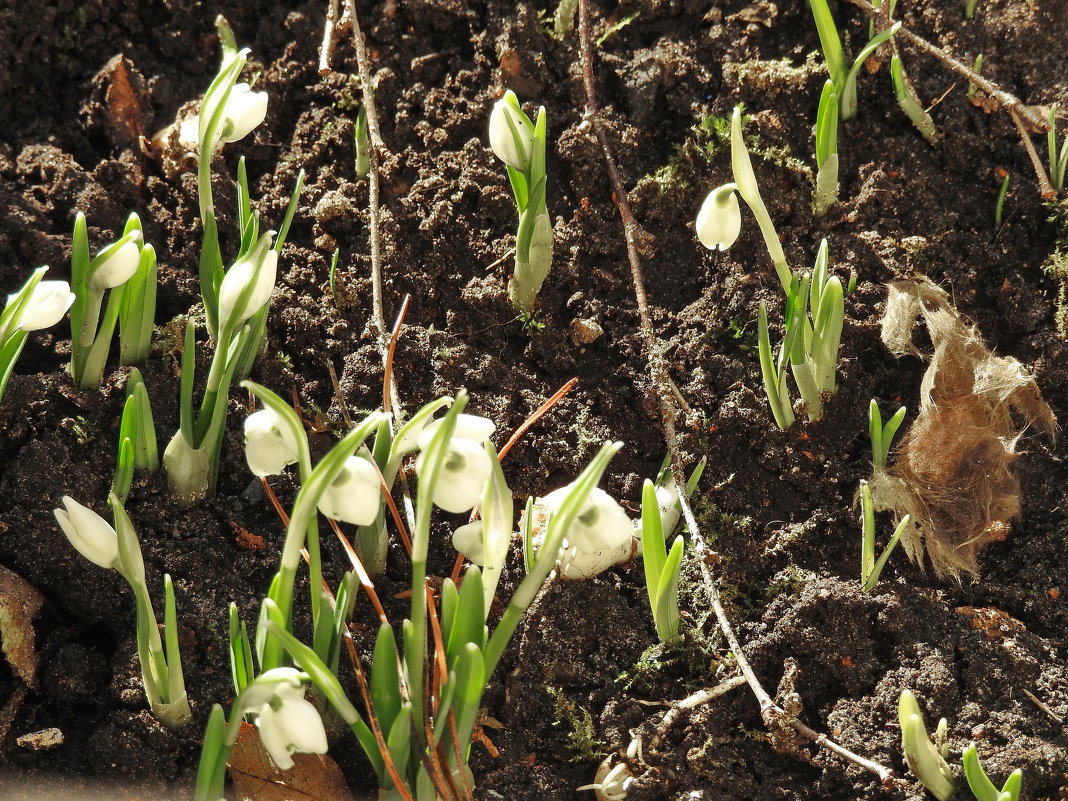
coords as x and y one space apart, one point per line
124 110
953 473
313 777
19 604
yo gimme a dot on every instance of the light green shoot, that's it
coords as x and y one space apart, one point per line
362 136
815 309
520 143
848 92
969 8
826 194
137 436
773 372
923 758
1058 159
662 567
870 569
977 68
979 783
909 103
999 204
882 435
137 311
746 183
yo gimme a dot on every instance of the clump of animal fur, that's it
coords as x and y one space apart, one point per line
953 470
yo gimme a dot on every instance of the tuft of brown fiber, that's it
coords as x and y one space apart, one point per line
953 473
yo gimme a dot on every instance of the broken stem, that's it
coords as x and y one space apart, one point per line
328 37
662 384
1045 188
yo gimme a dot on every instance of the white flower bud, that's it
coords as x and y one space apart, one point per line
355 496
46 305
244 111
720 219
89 533
511 143
231 311
269 443
116 264
467 539
602 525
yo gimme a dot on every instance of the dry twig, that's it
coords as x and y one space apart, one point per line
661 380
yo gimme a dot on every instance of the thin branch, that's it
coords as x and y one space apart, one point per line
378 149
662 384
1045 188
328 37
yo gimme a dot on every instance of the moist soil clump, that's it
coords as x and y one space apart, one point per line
584 677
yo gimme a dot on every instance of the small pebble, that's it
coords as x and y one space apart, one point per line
584 332
41 740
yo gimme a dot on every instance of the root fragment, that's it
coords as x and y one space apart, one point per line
953 473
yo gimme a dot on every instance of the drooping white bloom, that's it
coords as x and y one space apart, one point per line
232 312
602 524
466 466
116 264
720 219
46 305
89 533
511 143
244 111
269 443
355 495
467 539
287 722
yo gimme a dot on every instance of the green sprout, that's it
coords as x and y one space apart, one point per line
882 435
999 204
843 77
773 371
362 137
111 269
925 761
661 510
977 68
969 8
118 549
137 436
979 783
520 144
1058 160
38 304
870 568
826 194
909 103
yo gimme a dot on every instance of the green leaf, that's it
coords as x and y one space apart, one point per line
386 679
666 611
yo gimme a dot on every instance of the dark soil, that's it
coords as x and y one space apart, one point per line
584 677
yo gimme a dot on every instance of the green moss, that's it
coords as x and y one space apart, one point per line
580 740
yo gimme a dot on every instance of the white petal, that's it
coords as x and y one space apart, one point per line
303 726
355 496
273 736
245 110
46 305
464 473
467 539
117 268
269 444
89 533
234 283
720 219
502 141
468 426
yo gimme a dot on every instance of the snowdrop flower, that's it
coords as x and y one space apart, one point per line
244 111
511 133
355 495
233 309
466 466
467 539
46 305
269 443
115 264
89 533
600 536
720 220
288 723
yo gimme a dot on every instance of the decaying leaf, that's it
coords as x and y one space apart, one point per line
313 777
953 472
19 604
